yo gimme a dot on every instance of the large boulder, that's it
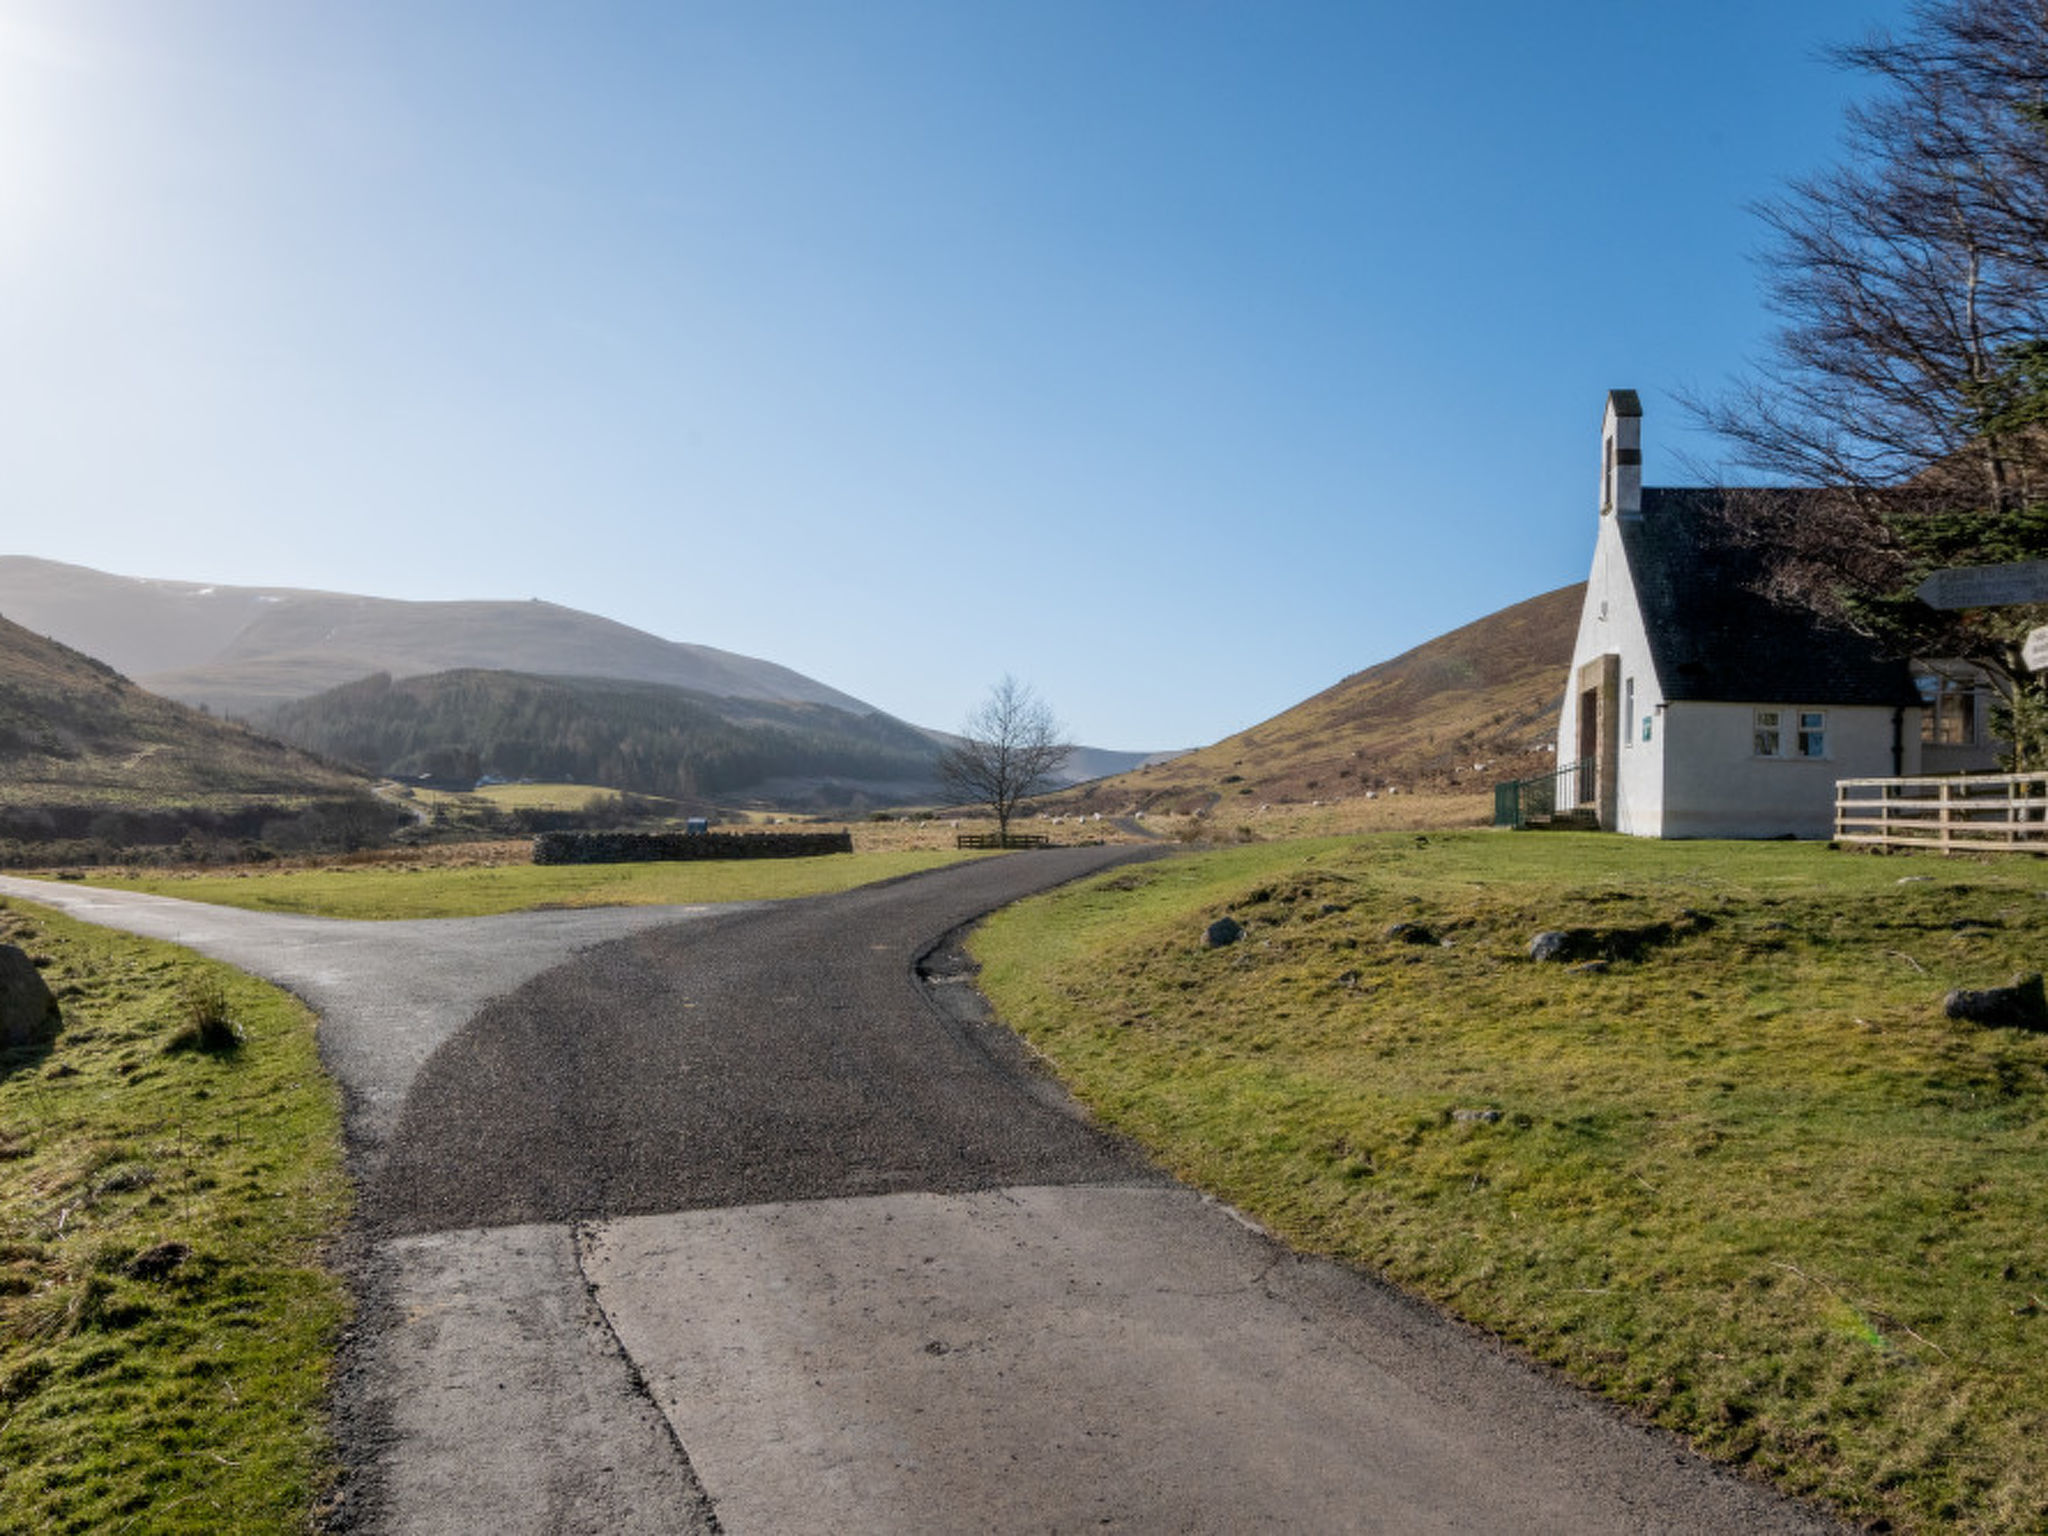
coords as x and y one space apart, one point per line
28 1013
1222 933
2023 1005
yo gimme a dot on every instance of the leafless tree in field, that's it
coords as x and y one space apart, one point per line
1010 749
1913 277
1907 388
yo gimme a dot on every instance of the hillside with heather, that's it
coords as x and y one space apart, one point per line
87 754
646 738
1453 716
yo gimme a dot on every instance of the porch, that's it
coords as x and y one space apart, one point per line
1549 802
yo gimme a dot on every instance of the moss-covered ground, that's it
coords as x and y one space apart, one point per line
170 1169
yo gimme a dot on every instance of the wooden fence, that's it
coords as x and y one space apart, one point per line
1960 813
999 840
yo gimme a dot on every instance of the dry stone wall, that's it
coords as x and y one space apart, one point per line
651 847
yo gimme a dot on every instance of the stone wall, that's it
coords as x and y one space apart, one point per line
649 847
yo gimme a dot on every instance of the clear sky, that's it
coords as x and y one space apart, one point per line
1178 357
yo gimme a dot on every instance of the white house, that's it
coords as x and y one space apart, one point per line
1697 706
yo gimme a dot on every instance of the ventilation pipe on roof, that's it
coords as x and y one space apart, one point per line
1621 455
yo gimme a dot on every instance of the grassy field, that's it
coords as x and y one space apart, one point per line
513 797
169 1168
1742 1175
408 888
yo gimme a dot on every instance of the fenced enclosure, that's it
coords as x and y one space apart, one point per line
1956 813
1545 800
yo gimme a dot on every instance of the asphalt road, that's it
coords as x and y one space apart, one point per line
726 1223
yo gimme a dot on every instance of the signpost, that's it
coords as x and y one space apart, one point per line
1986 586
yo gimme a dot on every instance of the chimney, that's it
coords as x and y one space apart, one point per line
1621 455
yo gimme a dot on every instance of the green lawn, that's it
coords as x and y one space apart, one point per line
373 891
166 1323
1746 1178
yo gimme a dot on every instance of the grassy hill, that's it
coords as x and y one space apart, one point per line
647 738
1454 715
86 754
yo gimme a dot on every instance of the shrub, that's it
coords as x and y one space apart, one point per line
206 1025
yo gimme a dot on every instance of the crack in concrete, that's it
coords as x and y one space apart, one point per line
581 1234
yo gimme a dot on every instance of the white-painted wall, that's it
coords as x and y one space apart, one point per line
1612 624
1718 787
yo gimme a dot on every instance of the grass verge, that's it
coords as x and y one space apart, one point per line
384 890
1741 1174
169 1168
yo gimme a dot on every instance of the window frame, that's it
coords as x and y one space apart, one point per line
1810 742
1760 730
1954 711
1795 733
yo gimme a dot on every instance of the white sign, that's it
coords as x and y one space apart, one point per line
1986 586
2035 653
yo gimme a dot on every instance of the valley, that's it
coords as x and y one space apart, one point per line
263 718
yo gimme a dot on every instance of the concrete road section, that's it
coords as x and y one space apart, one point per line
1103 1358
504 1403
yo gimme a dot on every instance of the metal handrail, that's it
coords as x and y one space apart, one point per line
1517 800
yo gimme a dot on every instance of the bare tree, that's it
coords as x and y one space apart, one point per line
1907 388
1010 749
1913 277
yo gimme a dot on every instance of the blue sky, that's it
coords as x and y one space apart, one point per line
1178 358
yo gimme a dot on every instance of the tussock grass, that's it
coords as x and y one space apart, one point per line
1743 1176
166 1325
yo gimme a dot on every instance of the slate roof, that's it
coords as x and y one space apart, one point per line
1715 637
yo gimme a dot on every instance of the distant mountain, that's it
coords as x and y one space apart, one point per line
241 650
645 737
1100 763
1468 709
86 753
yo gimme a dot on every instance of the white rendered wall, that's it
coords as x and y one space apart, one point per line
1610 623
1717 786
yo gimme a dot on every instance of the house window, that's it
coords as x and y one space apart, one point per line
1791 733
1628 712
1950 711
1768 741
1813 733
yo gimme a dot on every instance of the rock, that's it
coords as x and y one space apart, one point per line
28 1013
2023 1005
1551 944
1413 933
157 1263
1476 1116
1221 933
